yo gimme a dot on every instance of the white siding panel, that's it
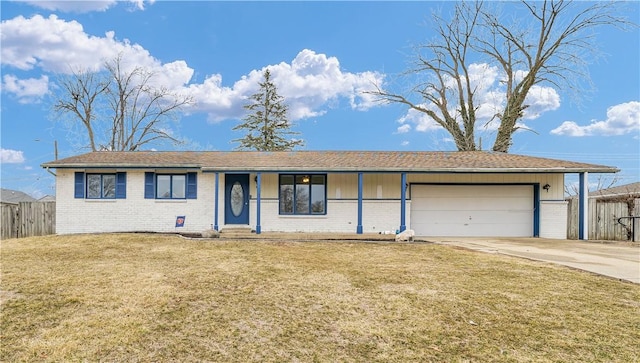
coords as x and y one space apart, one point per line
553 219
472 210
342 216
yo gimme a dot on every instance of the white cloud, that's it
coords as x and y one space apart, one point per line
420 121
540 99
8 156
404 128
311 84
621 119
139 4
27 90
489 98
83 6
56 45
404 143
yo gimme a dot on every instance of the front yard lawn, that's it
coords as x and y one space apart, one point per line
137 297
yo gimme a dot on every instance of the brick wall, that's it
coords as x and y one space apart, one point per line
133 213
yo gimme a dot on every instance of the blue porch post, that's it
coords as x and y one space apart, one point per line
359 227
536 210
403 201
583 209
215 211
258 187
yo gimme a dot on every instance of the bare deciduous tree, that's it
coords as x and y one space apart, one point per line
119 109
550 51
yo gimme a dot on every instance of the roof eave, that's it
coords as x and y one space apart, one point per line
413 170
113 166
306 169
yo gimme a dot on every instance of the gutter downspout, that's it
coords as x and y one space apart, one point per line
50 172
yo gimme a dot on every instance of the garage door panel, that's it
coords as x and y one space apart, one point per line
473 230
473 217
472 210
490 191
478 203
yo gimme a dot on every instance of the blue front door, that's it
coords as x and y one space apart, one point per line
236 199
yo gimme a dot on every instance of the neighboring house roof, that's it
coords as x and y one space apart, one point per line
408 161
47 198
620 190
14 196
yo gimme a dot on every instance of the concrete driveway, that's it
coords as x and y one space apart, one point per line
620 260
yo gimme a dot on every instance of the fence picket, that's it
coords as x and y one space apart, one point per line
27 219
603 220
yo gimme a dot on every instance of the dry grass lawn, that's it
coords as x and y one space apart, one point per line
142 298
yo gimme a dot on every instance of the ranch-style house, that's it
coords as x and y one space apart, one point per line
476 193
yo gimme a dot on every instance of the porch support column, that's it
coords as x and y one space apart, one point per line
403 201
258 187
359 227
215 203
583 209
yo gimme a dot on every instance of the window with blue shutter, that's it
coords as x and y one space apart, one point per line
192 185
121 185
149 185
79 185
170 186
100 186
105 186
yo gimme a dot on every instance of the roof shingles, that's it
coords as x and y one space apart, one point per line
415 161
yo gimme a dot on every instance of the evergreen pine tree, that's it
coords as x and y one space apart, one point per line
266 123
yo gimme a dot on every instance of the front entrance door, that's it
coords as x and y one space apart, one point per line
236 196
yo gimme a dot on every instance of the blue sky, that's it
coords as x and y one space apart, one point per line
322 55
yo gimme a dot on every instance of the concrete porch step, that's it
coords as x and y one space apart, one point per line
237 232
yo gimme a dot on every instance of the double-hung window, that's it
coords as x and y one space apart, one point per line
170 186
100 185
303 194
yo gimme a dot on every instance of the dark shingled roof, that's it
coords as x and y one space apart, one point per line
406 161
620 190
14 196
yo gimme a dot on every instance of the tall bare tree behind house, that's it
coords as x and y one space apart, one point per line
118 109
549 44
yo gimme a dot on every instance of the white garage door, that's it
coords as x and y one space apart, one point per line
472 210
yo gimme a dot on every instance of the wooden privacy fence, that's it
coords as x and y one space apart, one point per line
603 219
27 219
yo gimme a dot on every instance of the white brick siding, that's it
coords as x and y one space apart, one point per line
133 213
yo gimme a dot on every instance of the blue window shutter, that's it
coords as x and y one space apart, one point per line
79 185
149 185
121 185
192 185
